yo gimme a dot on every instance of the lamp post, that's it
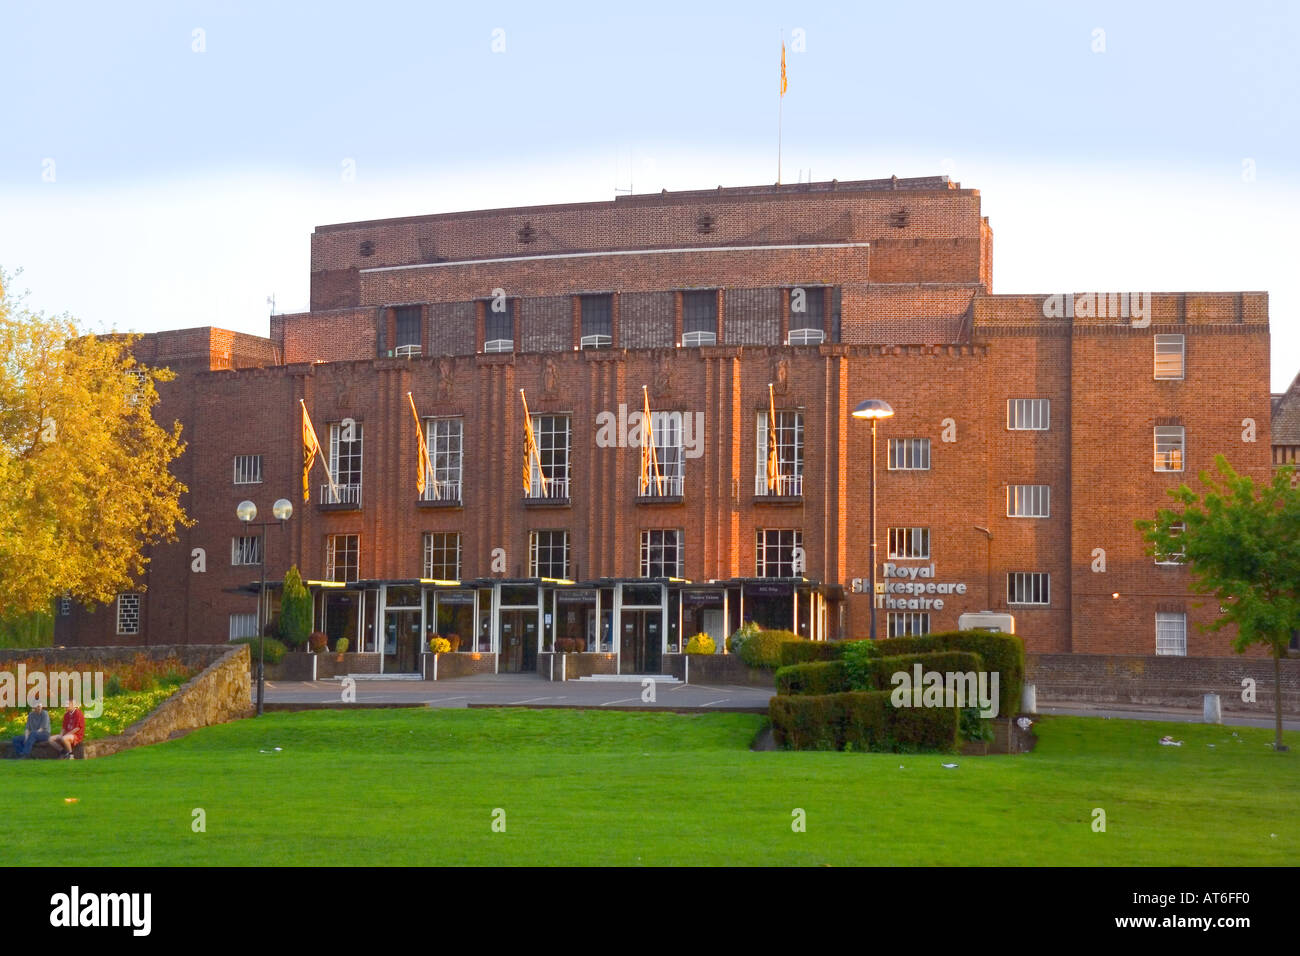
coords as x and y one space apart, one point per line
873 409
246 511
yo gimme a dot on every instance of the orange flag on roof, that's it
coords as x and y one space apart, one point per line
783 82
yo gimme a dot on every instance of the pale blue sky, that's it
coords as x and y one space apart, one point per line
186 184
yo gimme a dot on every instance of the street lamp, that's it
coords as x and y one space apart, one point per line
874 409
246 511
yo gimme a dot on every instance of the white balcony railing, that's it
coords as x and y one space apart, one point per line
407 351
555 488
440 490
786 486
341 495
665 487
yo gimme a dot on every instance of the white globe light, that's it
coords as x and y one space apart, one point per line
246 511
282 509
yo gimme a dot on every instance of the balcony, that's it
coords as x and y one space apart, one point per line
440 494
340 497
408 351
666 490
556 494
788 489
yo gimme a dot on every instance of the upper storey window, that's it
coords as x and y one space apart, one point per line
699 318
597 321
807 316
409 341
499 325
1169 357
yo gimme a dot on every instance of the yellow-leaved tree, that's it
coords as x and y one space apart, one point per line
85 485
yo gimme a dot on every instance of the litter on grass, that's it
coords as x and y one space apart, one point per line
1170 742
948 766
274 750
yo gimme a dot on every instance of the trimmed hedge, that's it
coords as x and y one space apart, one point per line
884 668
763 649
804 651
861 720
1004 653
816 677
272 653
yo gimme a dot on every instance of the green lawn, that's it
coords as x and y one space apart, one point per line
420 786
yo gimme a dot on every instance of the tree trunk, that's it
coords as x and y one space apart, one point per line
1277 695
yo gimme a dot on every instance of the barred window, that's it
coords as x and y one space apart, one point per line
788 479
1029 501
908 623
1028 587
909 454
597 321
243 625
246 549
1174 557
1170 441
1171 633
699 318
1028 414
779 553
548 554
442 555
248 469
128 613
1169 357
499 325
342 557
909 542
661 553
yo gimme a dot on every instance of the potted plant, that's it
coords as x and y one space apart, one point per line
701 644
439 645
340 648
454 641
317 642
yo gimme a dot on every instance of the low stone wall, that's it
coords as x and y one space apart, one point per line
196 656
553 666
716 669
220 693
1161 681
452 665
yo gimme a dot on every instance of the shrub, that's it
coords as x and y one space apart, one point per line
342 645
763 649
113 686
975 727
439 645
295 610
860 659
861 720
737 640
1003 653
882 669
817 677
701 644
318 641
804 651
273 651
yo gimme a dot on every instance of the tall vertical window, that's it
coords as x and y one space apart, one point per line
128 613
1173 557
548 554
699 318
248 469
409 341
445 440
661 553
667 428
345 464
1170 441
1170 355
246 549
342 557
807 316
1171 633
1029 501
788 478
909 454
908 623
779 553
1029 587
552 434
908 543
243 625
499 325
1028 414
597 321
442 555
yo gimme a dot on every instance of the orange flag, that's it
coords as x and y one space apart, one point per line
425 468
310 449
530 451
773 463
783 82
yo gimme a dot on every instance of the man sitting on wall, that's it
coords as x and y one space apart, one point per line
73 733
38 730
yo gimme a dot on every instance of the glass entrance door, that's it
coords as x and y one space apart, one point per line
518 641
641 645
402 641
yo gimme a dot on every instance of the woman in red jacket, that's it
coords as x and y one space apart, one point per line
74 731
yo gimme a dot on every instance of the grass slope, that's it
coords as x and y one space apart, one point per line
600 787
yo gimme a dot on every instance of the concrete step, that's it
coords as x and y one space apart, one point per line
383 677
629 678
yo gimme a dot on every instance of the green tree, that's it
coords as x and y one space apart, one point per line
295 609
85 485
1242 543
35 629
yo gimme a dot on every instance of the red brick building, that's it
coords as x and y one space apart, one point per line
1030 432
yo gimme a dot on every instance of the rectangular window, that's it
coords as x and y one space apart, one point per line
661 553
243 625
1028 587
248 469
128 614
345 464
499 325
909 543
786 480
669 481
409 341
1028 414
1176 557
442 555
445 440
246 550
552 434
779 553
597 321
1170 441
342 557
807 316
1169 357
909 454
699 318
548 554
1029 501
908 623
1171 633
